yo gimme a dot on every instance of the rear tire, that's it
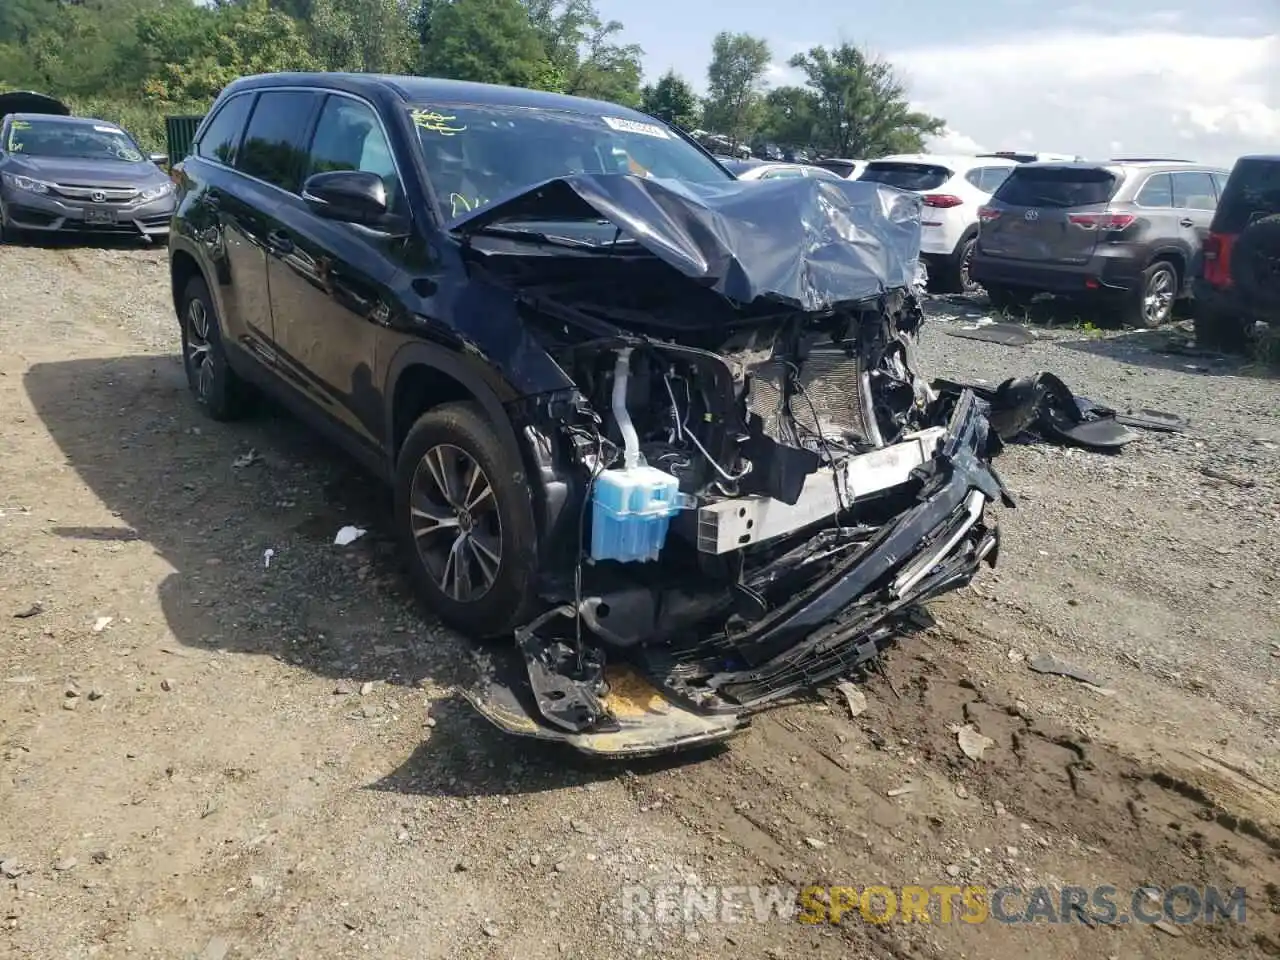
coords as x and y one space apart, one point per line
1218 330
954 277
217 388
483 524
1007 298
1152 303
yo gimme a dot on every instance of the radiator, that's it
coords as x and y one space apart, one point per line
835 398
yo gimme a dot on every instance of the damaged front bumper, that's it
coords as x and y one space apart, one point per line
668 696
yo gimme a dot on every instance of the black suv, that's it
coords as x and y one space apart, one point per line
1128 233
1240 282
575 345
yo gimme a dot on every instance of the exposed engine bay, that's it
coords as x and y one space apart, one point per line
763 493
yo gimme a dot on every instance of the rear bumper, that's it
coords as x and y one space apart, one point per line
40 212
1116 273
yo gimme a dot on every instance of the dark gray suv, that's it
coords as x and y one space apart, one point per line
1127 232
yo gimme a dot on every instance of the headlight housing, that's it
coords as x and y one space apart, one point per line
158 191
29 184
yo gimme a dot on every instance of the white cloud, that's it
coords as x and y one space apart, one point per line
1156 92
953 141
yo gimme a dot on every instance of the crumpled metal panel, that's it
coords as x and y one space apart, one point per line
804 243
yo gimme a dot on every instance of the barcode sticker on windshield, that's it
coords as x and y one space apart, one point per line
635 126
106 129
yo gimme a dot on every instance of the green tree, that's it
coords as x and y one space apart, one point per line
490 41
243 38
584 50
374 36
735 85
671 99
862 108
790 117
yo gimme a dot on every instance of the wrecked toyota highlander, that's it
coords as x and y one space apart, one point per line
656 436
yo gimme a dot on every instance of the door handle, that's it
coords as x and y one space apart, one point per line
279 241
1186 222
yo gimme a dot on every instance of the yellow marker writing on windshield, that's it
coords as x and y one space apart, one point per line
458 204
434 122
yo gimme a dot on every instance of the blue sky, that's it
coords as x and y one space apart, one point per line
1189 78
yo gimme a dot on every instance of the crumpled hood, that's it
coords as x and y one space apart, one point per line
806 243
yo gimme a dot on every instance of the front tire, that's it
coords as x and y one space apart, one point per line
464 512
217 388
8 232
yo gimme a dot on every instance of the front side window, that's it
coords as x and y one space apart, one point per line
1194 190
221 138
275 144
476 154
349 137
72 140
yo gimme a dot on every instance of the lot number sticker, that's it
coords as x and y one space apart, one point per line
635 126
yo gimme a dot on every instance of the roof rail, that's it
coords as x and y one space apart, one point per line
1148 160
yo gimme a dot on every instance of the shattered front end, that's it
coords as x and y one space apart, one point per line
755 488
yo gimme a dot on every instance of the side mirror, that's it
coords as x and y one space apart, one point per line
159 159
351 196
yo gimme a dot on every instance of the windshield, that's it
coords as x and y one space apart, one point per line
476 154
1057 187
72 141
907 176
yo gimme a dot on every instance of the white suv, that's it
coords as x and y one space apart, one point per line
953 189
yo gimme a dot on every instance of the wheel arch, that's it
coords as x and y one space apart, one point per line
1177 259
422 376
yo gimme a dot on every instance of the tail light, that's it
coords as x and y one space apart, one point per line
1101 221
1217 259
941 200
987 214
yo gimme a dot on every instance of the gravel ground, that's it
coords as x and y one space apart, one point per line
203 755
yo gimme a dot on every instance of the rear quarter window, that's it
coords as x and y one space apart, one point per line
1057 186
1252 191
907 176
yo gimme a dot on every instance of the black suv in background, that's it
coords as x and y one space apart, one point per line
1239 284
1128 234
636 414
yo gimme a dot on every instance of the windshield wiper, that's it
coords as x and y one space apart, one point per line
552 239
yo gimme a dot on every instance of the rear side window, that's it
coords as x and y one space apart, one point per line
275 145
1156 192
1194 190
1057 186
907 176
222 135
987 179
1253 191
